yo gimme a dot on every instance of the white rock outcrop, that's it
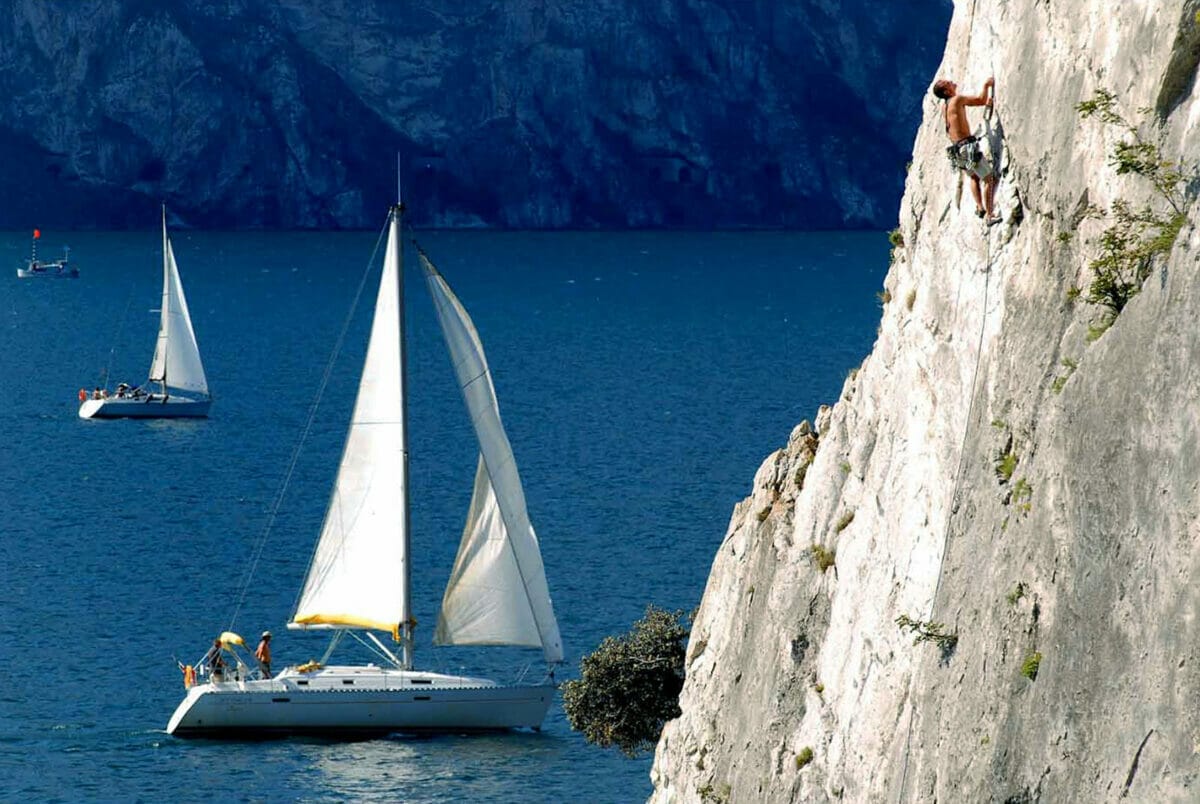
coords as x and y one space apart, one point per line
990 468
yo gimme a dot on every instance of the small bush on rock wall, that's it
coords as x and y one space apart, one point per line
823 558
1137 236
928 631
1029 668
629 686
1006 464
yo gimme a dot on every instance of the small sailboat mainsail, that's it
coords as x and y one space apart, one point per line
176 362
497 593
359 576
175 368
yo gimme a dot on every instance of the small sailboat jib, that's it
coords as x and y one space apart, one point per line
359 575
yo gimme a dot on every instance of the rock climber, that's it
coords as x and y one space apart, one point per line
966 153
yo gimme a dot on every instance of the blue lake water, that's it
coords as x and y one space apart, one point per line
642 378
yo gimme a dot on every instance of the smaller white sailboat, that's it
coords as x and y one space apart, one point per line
176 370
49 269
358 580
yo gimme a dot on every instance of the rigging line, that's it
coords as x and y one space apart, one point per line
256 553
117 338
380 654
957 488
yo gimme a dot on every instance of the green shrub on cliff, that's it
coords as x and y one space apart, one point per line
822 557
928 631
1006 464
1029 668
629 686
1137 236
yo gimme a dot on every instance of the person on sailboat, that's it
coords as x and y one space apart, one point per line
214 661
263 654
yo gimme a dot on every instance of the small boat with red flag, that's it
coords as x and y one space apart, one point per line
53 269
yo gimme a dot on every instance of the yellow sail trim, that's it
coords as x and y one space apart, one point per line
349 621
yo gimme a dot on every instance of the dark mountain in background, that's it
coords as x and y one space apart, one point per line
523 113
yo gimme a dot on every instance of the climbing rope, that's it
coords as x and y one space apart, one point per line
954 496
117 338
958 477
261 542
966 428
987 277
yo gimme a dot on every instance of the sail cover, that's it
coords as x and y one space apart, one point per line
356 578
176 356
497 594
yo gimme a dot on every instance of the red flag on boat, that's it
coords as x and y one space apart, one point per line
37 233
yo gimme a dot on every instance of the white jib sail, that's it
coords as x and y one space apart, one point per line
356 578
497 593
176 355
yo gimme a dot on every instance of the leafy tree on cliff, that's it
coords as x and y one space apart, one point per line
629 686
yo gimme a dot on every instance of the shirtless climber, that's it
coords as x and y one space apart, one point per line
965 153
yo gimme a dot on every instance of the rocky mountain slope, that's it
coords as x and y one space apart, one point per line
991 468
522 113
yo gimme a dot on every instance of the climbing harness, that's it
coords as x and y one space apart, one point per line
965 154
975 154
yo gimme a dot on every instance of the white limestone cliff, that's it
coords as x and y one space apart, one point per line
1086 554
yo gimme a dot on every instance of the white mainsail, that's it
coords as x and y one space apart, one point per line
356 578
497 593
176 360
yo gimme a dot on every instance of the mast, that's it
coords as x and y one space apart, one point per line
407 623
166 301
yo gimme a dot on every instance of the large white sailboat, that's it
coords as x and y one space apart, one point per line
359 578
176 368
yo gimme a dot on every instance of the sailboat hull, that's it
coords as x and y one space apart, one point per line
48 272
358 700
156 407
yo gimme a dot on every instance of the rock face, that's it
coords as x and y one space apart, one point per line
524 113
989 468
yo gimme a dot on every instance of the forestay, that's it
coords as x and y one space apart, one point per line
356 578
176 356
497 594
